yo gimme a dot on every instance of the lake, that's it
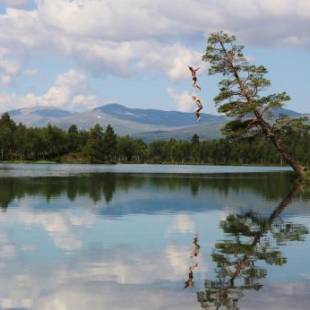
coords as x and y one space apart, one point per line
152 237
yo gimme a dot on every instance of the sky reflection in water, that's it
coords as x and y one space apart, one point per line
120 241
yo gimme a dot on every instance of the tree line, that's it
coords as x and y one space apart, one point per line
98 145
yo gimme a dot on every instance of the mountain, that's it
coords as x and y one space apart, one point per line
204 131
285 112
157 117
124 120
147 124
39 116
41 111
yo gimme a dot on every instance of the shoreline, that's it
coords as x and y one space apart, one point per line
55 170
48 162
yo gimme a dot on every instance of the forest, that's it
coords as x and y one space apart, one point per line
99 145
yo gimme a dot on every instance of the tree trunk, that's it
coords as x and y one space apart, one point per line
284 203
295 164
276 141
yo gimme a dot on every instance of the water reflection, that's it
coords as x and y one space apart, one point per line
104 186
190 281
134 242
253 239
193 263
196 247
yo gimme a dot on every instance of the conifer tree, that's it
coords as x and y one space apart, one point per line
95 145
110 143
243 97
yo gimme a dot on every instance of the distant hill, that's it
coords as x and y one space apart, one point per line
39 116
284 112
147 124
41 111
205 132
157 117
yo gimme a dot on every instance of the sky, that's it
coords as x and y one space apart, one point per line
79 54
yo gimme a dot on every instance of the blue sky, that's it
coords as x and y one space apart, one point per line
83 53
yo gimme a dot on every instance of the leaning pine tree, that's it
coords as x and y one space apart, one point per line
243 97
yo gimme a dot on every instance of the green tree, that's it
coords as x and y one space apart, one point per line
94 147
125 149
37 146
195 139
21 143
73 139
157 151
129 149
110 144
56 140
7 129
242 96
195 148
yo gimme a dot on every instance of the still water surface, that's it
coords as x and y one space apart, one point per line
83 238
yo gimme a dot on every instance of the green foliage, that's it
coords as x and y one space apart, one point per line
94 147
7 128
17 142
110 144
242 96
74 139
131 150
243 91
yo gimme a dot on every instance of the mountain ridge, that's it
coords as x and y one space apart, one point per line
157 116
147 124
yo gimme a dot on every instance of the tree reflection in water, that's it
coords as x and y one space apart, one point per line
253 238
104 186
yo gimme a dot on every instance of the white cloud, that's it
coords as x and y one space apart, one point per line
93 51
183 101
70 91
14 3
109 20
103 38
9 69
99 37
86 17
175 61
12 101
